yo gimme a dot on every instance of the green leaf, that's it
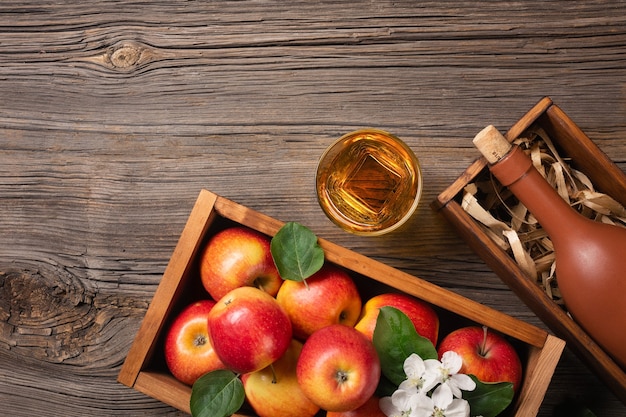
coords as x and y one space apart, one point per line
489 399
296 252
385 387
217 394
395 339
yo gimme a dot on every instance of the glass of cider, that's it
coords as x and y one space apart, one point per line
368 182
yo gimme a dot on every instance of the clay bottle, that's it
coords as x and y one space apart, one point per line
590 256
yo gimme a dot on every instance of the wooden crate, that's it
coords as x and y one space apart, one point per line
145 370
585 156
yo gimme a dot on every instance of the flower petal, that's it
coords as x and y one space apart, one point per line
409 385
424 406
442 396
456 392
452 361
458 408
414 366
387 407
404 400
464 382
433 374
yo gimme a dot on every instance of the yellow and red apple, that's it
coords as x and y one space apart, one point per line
486 354
248 329
274 391
338 368
189 353
421 314
235 257
329 296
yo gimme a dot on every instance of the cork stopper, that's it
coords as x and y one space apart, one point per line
492 144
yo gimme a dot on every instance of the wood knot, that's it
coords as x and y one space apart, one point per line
48 314
125 56
41 312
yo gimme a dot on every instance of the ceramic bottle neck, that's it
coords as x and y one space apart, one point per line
515 171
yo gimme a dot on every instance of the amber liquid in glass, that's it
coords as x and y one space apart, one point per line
369 183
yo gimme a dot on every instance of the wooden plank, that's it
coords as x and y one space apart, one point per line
546 358
115 114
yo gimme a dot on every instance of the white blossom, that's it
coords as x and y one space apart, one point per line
446 372
417 380
401 404
442 404
432 388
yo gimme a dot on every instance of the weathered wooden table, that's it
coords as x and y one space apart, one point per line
114 114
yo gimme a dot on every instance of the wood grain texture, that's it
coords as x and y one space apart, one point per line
114 114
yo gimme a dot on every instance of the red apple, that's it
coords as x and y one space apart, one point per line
237 257
328 297
369 409
276 393
420 313
188 350
486 355
338 368
248 329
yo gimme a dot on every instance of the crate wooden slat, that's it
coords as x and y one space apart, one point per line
145 371
606 177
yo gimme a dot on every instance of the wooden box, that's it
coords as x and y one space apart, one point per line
606 177
144 368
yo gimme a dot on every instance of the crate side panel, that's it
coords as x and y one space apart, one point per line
585 154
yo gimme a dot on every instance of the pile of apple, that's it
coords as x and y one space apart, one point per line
302 346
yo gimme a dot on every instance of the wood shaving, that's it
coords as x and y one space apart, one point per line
515 230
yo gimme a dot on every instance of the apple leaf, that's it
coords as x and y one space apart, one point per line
489 399
385 387
296 252
395 339
217 394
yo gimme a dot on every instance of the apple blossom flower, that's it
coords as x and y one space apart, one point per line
442 404
446 373
401 404
432 388
417 380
